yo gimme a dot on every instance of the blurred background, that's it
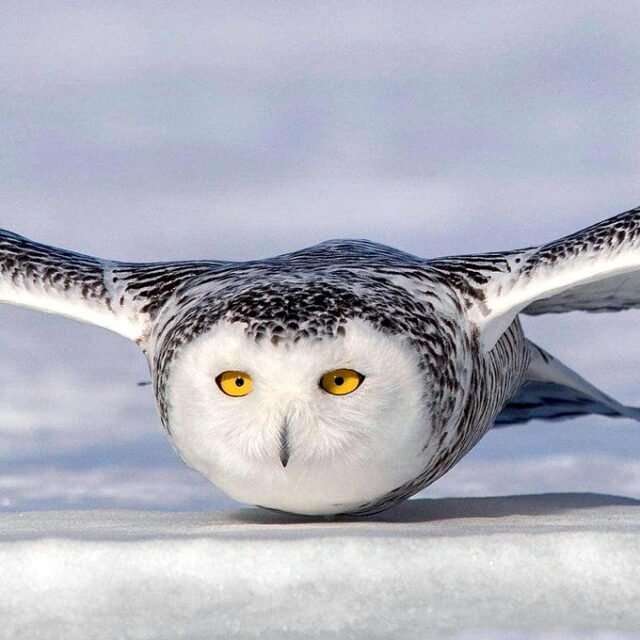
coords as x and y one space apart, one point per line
167 130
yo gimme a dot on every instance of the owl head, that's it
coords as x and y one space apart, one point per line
306 397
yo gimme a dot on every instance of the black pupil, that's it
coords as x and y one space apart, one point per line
239 382
339 380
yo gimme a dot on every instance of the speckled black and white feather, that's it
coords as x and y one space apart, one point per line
458 314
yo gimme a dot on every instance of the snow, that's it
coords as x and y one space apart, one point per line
561 563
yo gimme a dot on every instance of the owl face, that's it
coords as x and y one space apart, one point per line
307 426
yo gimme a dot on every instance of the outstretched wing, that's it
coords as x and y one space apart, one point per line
121 297
596 269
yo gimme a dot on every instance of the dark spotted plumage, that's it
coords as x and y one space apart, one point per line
458 314
23 263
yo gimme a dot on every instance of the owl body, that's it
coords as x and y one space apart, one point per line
288 320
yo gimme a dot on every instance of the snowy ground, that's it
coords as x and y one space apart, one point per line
553 565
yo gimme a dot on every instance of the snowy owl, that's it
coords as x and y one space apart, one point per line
345 377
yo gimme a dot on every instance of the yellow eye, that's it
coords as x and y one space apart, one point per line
339 382
235 383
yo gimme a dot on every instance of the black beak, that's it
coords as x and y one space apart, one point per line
284 443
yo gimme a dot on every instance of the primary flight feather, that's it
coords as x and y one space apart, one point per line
345 377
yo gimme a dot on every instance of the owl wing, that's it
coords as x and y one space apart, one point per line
596 269
553 391
552 401
121 297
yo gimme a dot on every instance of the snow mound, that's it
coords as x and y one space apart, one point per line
564 564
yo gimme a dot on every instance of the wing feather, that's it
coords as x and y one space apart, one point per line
596 269
553 391
121 297
552 401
